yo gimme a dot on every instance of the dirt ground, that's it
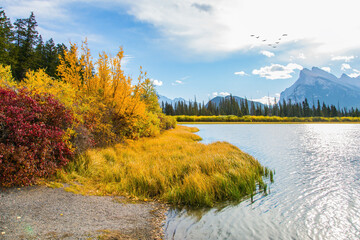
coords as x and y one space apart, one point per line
40 212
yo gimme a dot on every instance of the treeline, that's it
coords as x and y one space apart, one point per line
263 119
22 47
46 121
231 106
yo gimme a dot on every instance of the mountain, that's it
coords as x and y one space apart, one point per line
316 84
168 100
216 100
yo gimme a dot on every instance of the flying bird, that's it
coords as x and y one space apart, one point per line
264 40
284 34
252 35
257 36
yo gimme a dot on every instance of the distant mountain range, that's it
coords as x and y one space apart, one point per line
216 100
316 84
169 101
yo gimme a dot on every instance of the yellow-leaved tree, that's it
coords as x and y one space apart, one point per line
6 78
118 107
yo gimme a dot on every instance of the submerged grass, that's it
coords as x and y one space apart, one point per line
173 167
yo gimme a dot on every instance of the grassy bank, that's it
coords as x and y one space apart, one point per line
266 119
173 167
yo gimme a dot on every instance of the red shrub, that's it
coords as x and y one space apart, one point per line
31 137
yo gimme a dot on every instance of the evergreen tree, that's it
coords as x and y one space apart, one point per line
318 109
26 38
306 108
252 108
39 55
6 39
246 110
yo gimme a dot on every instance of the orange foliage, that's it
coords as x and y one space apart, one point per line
118 109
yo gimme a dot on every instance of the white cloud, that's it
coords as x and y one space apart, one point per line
222 26
355 74
177 82
301 56
277 71
156 82
226 25
184 78
202 7
54 9
217 27
56 19
268 100
222 94
327 69
241 73
267 53
345 66
126 60
343 58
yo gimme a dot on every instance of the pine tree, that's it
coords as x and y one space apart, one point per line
39 55
6 39
51 57
26 38
252 108
306 108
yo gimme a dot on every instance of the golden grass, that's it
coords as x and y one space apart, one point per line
173 167
263 119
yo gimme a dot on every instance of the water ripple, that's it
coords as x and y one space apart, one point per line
316 194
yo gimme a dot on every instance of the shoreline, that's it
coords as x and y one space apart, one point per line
40 212
180 123
89 207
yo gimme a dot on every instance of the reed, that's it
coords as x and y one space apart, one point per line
272 176
173 167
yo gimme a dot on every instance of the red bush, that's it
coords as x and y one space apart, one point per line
31 137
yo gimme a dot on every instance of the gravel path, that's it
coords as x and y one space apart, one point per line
44 213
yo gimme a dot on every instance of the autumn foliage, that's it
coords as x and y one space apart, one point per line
32 131
45 121
120 109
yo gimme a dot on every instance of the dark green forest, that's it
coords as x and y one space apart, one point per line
22 47
230 106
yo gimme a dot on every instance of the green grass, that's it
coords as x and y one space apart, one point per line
263 119
173 167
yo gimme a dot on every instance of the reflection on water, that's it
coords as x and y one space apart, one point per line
316 193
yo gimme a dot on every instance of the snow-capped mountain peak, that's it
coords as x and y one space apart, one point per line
317 84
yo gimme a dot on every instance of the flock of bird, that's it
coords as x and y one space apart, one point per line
273 45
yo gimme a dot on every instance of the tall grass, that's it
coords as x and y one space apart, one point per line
250 119
173 167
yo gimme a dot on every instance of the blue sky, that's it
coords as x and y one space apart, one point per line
205 48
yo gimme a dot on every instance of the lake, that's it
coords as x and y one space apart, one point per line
316 193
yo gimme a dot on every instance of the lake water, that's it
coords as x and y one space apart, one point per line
316 193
